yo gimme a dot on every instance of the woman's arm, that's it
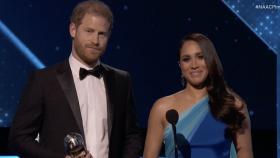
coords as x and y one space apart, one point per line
155 131
243 136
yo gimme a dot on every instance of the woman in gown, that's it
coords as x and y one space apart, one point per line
213 120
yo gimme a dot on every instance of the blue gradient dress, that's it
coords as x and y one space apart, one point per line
199 135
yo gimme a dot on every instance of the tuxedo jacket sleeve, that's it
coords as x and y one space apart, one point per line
28 122
126 140
134 140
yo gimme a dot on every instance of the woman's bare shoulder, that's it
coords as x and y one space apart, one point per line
165 103
160 107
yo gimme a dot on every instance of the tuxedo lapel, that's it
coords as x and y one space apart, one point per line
67 84
110 90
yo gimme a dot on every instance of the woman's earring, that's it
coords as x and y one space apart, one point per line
183 80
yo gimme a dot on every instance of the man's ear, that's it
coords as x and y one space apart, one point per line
72 30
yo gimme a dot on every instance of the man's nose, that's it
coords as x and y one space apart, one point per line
95 39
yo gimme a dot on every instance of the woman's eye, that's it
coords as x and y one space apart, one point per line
201 57
186 59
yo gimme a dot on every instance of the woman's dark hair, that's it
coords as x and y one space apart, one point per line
221 97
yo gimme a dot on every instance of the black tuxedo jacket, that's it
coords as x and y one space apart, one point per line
49 106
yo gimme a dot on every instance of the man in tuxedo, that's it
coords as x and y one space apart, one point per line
81 95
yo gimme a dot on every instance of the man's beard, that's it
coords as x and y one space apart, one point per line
84 54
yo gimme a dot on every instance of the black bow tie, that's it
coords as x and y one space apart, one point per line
97 71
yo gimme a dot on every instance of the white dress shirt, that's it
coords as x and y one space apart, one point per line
93 105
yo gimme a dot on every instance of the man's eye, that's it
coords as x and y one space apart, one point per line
103 34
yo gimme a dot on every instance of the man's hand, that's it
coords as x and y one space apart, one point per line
84 154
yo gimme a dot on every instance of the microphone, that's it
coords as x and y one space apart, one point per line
172 117
74 145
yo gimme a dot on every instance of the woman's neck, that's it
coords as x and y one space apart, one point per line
195 92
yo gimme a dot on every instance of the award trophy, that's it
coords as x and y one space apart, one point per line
74 145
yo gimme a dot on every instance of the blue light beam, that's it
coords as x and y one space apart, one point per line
20 45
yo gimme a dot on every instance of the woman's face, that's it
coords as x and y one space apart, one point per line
192 64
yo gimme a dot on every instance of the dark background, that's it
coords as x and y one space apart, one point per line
145 41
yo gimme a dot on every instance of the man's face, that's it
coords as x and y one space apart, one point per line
90 38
